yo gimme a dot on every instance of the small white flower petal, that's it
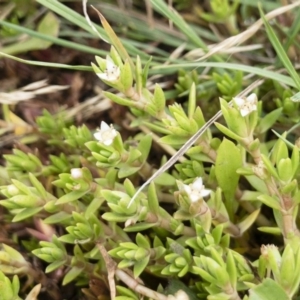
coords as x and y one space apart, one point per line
12 190
76 173
205 192
113 133
239 101
109 62
106 134
244 112
197 184
187 189
246 105
104 126
98 136
196 190
111 73
194 196
253 107
108 142
117 73
103 76
252 98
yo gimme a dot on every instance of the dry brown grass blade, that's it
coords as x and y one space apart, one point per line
84 7
111 269
134 284
193 54
29 92
114 40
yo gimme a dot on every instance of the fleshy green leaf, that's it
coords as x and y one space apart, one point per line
72 196
152 200
48 26
165 179
229 159
268 121
174 140
127 171
71 275
268 290
227 131
26 213
269 201
55 265
248 221
139 227
145 146
126 77
139 266
159 98
58 218
271 230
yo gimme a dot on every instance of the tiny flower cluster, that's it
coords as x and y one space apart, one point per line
246 104
106 134
195 190
111 73
76 173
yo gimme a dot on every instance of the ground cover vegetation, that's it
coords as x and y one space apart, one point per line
149 150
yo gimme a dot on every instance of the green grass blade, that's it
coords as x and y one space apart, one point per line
280 51
292 32
71 16
139 29
266 4
179 22
81 22
46 64
230 66
53 39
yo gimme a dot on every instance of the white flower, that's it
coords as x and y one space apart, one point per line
111 73
106 134
246 105
12 190
196 190
76 173
181 295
